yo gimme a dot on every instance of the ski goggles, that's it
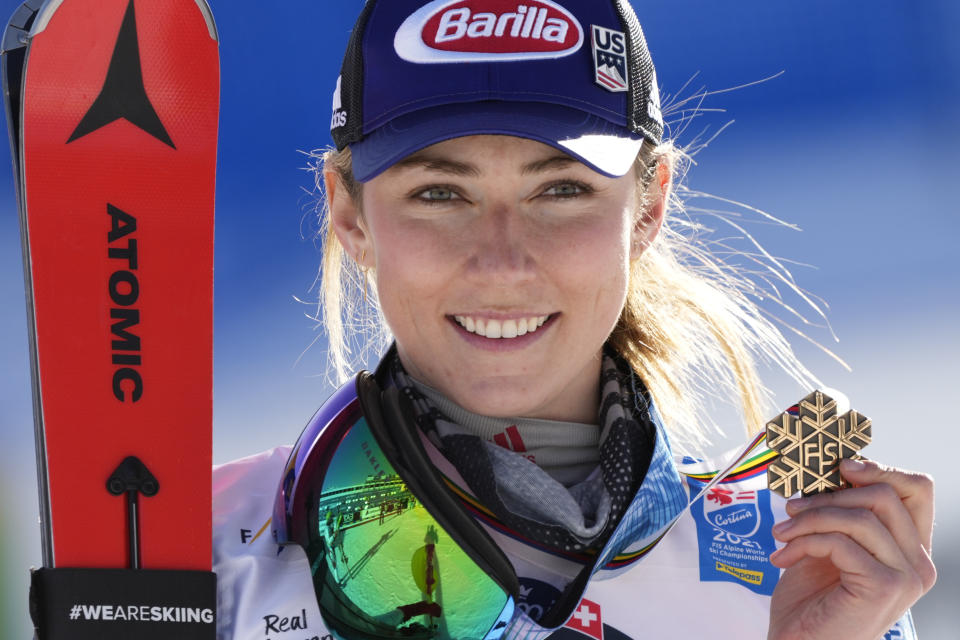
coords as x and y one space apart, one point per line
391 552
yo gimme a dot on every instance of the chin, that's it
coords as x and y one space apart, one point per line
501 403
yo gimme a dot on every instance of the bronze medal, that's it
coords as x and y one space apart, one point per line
811 440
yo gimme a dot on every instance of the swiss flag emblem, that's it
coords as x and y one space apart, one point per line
586 619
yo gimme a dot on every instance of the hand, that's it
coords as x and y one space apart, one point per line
855 560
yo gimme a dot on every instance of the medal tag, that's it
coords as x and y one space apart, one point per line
811 440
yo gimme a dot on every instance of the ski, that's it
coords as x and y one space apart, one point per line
112 110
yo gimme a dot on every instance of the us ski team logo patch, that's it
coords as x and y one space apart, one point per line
609 58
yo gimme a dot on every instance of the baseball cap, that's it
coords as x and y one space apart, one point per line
573 74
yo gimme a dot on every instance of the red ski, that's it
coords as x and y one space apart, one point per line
112 106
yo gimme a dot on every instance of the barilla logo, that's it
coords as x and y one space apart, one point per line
488 30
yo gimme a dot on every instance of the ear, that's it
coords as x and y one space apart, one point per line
647 228
347 220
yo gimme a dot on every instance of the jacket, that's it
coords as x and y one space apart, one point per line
688 559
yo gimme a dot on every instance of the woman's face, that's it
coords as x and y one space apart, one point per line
501 268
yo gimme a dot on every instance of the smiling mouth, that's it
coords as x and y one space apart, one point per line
501 329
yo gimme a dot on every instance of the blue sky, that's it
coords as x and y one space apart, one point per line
856 141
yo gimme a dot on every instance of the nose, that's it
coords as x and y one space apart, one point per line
503 244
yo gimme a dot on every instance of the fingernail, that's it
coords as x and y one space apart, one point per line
852 465
782 527
798 503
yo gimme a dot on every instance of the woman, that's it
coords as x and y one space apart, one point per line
499 195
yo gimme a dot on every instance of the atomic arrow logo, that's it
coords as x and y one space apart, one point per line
123 94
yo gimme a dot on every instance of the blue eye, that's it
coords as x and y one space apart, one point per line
437 194
566 190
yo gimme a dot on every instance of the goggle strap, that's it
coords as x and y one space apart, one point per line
392 428
563 607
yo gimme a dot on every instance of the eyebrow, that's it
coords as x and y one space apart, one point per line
553 162
444 165
441 165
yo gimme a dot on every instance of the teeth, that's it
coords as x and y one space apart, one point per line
495 329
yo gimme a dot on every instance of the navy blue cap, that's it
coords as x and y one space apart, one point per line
573 74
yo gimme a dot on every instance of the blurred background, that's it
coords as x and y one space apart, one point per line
855 141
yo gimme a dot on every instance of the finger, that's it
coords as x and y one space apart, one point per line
861 525
885 503
862 576
861 571
842 551
914 489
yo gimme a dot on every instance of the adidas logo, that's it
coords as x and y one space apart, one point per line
511 440
339 117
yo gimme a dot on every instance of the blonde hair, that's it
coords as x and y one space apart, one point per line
689 326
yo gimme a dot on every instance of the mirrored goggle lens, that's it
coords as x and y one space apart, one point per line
382 565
